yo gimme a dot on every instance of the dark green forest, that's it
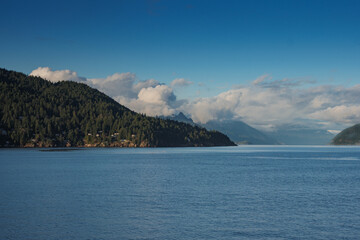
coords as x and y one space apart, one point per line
37 113
349 136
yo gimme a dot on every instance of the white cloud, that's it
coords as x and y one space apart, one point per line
116 84
254 105
334 131
265 103
157 95
261 79
219 107
153 101
148 96
264 81
319 101
116 77
180 82
56 76
145 84
339 114
150 109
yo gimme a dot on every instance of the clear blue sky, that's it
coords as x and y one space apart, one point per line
220 43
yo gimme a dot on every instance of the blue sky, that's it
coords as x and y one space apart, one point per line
216 44
231 41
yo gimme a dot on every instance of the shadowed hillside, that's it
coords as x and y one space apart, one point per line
37 113
349 136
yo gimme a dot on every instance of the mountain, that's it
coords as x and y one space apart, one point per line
349 136
180 117
37 113
238 131
301 135
241 133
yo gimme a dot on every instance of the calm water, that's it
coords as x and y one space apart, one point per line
181 193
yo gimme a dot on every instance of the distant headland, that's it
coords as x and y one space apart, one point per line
38 113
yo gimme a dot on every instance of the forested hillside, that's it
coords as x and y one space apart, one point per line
349 136
37 113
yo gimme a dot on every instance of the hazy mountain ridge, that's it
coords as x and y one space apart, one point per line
242 133
180 117
291 134
37 113
238 131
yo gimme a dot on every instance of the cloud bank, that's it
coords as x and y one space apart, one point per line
146 96
56 76
265 103
180 82
158 100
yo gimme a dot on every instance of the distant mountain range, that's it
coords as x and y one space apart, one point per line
242 133
301 135
37 113
349 136
238 131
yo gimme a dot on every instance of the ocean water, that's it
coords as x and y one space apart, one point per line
245 192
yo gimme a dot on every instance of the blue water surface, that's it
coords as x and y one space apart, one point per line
245 192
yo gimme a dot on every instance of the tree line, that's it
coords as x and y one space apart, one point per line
35 112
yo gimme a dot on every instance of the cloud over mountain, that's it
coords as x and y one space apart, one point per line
154 101
268 103
56 76
147 96
115 84
265 103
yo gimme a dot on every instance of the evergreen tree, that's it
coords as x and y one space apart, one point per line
34 111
